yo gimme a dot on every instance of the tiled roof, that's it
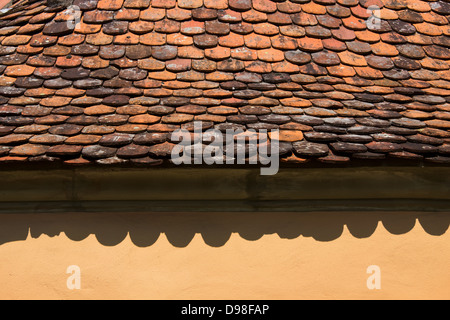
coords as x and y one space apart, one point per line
337 87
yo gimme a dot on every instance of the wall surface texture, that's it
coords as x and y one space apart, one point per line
225 255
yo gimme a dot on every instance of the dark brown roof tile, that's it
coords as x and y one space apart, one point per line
419 148
162 150
320 136
98 152
28 150
132 151
240 5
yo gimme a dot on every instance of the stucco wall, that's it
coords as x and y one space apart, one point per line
225 255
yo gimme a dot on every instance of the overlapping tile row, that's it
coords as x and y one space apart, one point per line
337 87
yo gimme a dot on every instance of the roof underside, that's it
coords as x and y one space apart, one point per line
337 82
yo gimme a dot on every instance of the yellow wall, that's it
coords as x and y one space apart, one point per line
225 255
